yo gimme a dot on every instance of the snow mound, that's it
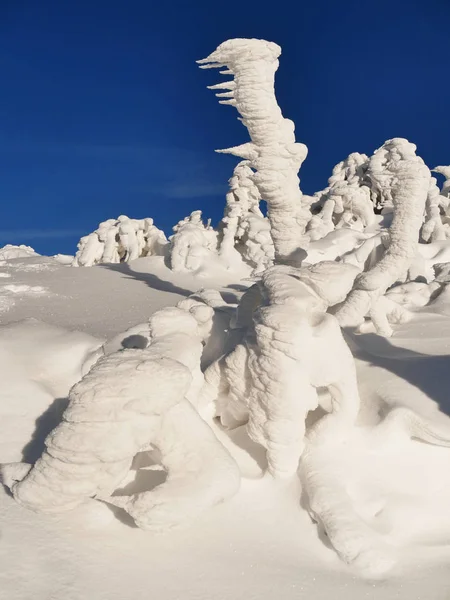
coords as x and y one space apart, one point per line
10 252
38 364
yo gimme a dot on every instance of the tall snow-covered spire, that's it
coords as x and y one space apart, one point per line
400 181
273 152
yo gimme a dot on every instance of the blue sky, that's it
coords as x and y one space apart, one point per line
104 111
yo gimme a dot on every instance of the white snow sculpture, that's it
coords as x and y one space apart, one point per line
130 401
192 244
155 239
291 351
242 199
244 230
128 241
346 201
10 252
120 240
291 348
107 233
90 251
273 152
400 180
256 245
433 229
445 171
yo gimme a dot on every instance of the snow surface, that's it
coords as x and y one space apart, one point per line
260 544
202 384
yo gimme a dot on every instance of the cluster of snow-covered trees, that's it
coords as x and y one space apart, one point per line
120 240
362 252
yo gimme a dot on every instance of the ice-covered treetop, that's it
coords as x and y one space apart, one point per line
253 64
389 165
445 171
273 154
241 50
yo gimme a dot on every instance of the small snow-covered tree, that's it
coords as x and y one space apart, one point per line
346 201
433 228
192 243
243 230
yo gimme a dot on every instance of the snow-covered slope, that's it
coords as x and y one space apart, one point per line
262 543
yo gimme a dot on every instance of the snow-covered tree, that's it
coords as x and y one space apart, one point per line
434 229
273 154
400 181
132 401
270 379
346 201
244 231
445 171
192 243
120 240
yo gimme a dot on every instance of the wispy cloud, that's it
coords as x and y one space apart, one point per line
16 235
106 152
192 189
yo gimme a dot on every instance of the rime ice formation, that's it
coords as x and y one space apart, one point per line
10 252
244 230
113 414
400 180
120 240
433 229
346 202
192 243
291 348
273 152
445 171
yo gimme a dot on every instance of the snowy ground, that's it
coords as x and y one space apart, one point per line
261 545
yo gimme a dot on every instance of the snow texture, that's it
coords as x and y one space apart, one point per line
346 202
251 375
273 153
120 240
192 243
329 502
112 415
10 252
290 348
445 171
244 231
401 182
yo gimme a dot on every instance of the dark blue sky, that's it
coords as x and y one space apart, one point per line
104 112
